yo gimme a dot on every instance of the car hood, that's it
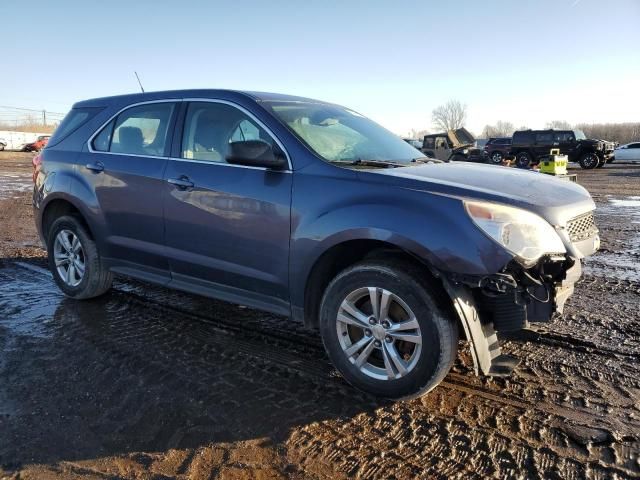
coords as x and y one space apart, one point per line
461 136
554 199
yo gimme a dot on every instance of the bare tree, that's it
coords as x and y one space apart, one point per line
614 132
500 129
449 116
418 134
559 125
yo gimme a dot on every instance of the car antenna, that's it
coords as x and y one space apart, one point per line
139 82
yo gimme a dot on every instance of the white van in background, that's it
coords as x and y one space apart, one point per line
16 140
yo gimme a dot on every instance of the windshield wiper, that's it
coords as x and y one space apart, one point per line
371 163
426 160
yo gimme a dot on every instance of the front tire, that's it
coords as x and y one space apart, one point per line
384 330
523 160
74 260
589 160
496 158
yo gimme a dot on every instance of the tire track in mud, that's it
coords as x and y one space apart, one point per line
467 426
303 352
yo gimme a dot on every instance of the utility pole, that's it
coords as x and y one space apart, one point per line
44 118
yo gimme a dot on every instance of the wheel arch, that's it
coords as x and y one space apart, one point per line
60 206
349 252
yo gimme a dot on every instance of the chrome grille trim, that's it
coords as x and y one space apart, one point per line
582 227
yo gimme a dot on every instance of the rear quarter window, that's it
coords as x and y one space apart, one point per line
71 122
522 138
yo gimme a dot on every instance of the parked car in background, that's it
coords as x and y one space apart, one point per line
529 146
37 145
3 144
497 149
629 152
454 145
309 210
413 142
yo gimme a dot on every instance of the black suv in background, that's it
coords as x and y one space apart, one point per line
497 149
529 146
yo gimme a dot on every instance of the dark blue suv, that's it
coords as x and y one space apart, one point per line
310 210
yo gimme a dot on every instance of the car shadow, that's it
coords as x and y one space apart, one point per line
131 372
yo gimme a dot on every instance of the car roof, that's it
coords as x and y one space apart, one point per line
193 93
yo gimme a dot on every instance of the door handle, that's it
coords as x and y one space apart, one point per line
182 182
95 167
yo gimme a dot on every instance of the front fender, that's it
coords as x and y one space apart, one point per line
433 227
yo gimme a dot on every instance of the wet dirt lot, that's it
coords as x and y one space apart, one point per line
149 383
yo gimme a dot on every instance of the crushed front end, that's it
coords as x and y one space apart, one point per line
521 293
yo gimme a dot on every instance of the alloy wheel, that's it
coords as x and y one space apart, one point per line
590 160
379 333
69 257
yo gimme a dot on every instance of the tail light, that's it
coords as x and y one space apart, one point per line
36 162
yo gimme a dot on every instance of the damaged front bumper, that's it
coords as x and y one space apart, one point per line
507 301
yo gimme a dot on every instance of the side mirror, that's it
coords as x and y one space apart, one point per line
255 153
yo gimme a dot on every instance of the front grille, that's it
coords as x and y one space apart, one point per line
582 227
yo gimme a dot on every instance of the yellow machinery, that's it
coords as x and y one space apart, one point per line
554 164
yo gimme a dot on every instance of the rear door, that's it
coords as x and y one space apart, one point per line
227 227
631 152
543 145
125 166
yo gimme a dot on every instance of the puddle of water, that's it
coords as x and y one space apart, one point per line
13 182
628 202
623 264
620 207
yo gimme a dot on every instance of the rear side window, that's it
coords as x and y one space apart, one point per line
544 138
72 121
141 130
520 138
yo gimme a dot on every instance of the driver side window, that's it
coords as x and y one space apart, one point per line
210 127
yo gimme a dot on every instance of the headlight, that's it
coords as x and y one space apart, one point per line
523 233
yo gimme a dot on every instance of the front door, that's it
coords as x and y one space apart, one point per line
565 141
442 150
125 167
227 227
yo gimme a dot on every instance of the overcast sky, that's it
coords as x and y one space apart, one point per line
394 61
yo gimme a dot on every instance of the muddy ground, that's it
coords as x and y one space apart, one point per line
150 383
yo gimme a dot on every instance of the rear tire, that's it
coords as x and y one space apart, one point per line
601 162
74 260
589 160
496 158
365 344
523 160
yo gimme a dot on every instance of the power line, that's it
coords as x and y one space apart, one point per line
31 110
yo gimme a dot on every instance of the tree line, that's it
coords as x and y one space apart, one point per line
453 115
